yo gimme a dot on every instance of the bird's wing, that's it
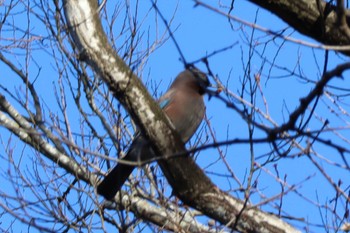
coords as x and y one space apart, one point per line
166 99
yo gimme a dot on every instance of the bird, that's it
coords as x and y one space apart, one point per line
183 104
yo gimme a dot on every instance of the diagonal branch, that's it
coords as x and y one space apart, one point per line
198 191
316 19
19 126
306 101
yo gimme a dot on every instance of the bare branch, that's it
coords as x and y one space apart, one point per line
199 192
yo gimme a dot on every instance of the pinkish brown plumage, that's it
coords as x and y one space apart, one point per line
184 105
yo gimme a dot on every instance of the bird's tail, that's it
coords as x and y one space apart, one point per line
113 182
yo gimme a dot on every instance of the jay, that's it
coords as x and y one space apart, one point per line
183 103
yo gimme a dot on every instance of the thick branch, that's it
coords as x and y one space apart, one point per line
197 191
316 19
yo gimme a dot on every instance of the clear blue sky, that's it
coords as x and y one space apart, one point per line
199 31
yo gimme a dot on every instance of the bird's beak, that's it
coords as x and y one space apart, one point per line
213 90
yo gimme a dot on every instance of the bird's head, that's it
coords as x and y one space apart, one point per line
192 79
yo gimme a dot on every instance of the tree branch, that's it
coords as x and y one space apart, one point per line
198 191
316 19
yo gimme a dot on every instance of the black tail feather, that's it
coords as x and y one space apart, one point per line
114 181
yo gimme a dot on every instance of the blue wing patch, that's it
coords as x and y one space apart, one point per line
164 103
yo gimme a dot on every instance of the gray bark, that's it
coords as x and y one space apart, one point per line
198 192
317 19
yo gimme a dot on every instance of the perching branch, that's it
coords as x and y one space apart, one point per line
198 192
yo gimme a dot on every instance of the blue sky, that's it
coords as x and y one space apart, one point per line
198 32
